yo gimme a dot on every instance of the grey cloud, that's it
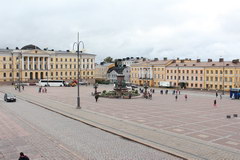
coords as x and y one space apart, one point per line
154 28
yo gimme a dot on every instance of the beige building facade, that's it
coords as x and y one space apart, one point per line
101 70
187 73
30 64
149 72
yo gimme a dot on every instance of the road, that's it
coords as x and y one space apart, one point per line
70 139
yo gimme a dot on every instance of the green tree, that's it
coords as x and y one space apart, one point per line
108 60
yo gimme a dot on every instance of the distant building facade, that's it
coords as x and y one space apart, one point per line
30 63
102 69
187 73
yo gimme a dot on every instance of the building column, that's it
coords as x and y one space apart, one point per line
151 75
48 61
28 63
93 64
22 63
33 63
43 63
38 63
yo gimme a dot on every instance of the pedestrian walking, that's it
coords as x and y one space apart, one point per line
185 97
220 96
216 94
40 89
22 87
150 96
179 92
23 157
215 103
153 90
96 97
45 90
176 97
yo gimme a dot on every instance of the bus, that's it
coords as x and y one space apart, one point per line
51 83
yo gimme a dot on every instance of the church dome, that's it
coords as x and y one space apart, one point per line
30 47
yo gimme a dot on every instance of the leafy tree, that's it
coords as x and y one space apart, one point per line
108 60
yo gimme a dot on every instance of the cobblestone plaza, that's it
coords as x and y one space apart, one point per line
195 119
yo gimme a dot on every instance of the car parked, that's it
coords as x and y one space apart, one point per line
70 84
8 97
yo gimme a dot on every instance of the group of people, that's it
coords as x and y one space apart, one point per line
42 90
148 95
162 91
16 87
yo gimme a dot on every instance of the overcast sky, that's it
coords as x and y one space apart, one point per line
126 28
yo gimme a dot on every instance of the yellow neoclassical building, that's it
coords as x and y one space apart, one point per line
149 72
30 63
187 73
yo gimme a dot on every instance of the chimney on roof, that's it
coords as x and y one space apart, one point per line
198 60
7 48
17 48
165 58
235 61
209 60
182 61
221 59
155 59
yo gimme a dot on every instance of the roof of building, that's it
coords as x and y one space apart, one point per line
152 62
194 63
119 70
30 47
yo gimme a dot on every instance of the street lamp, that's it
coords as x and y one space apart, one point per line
20 71
78 62
223 78
95 87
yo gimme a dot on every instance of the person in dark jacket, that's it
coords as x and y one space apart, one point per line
23 157
96 97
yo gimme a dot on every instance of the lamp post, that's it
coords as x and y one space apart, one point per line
223 79
78 68
20 71
95 87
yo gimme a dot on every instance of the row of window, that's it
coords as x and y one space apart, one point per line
87 66
73 59
211 86
193 71
60 73
192 78
220 72
185 71
220 79
57 59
